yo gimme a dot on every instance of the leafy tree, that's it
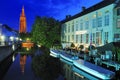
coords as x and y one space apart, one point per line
24 36
46 31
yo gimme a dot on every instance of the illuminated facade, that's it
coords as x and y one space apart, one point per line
22 26
97 25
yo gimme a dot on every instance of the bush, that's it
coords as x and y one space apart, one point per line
72 45
92 47
81 46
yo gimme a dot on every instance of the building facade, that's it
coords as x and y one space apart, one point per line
22 26
97 25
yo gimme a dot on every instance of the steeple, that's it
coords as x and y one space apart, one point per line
23 13
22 26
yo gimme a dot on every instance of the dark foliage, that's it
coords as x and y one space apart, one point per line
45 66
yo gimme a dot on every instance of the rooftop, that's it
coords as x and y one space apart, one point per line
90 9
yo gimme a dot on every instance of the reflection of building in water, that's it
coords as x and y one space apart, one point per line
22 62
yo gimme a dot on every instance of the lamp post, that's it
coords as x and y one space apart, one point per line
2 40
11 39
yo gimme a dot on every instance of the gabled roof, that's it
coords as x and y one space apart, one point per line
118 4
90 9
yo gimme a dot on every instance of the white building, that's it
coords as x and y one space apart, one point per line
98 25
7 34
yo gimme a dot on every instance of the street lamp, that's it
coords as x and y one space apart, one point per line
11 38
17 38
3 40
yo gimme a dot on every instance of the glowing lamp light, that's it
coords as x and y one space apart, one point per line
27 39
11 38
3 38
17 38
81 32
20 39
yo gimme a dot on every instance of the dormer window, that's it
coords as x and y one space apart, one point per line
118 11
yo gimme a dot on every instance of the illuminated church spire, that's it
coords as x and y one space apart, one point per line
22 26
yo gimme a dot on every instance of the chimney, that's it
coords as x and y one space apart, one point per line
68 16
83 8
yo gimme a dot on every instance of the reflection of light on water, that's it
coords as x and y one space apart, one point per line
79 75
13 47
13 58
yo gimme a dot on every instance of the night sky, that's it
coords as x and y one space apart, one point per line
10 10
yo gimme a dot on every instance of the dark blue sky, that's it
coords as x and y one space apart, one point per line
10 10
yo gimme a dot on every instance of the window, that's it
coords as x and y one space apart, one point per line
81 38
86 24
106 20
65 28
77 27
100 22
72 28
65 38
72 37
94 23
68 28
93 38
98 38
68 38
118 23
106 37
87 38
81 26
118 11
76 38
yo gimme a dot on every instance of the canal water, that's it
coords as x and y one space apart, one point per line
20 66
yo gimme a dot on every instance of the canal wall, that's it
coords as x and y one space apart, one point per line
7 50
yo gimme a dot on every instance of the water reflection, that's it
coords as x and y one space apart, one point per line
21 68
22 62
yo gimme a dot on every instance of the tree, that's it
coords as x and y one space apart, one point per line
46 31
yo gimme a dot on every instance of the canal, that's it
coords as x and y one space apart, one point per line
21 66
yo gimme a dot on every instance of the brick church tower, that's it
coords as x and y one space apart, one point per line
22 26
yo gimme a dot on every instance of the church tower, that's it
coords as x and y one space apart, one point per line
22 26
